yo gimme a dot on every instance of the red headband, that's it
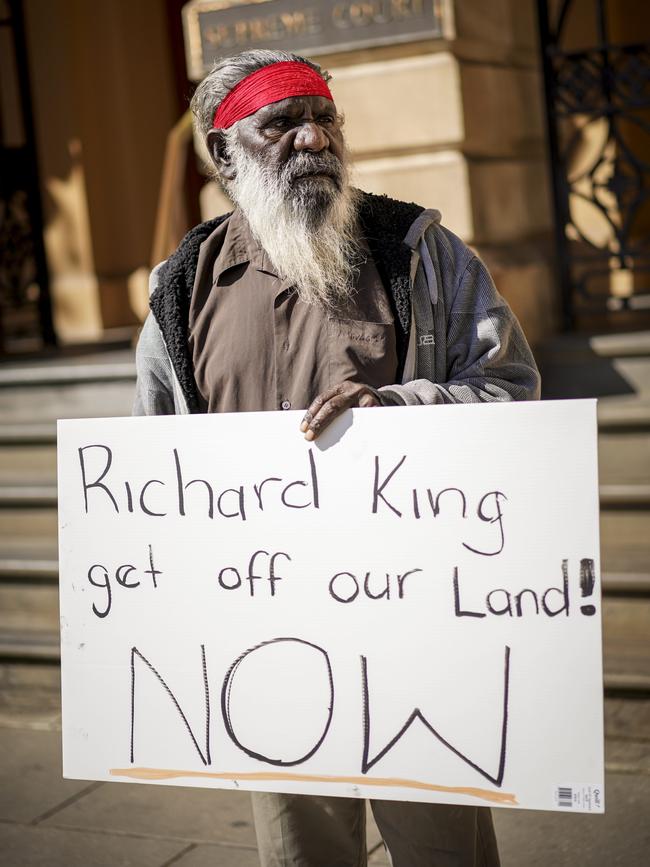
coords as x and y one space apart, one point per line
269 84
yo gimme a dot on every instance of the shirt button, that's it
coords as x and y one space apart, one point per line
286 404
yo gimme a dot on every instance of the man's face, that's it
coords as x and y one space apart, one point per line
277 133
299 141
286 168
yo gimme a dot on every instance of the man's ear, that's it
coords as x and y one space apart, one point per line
216 143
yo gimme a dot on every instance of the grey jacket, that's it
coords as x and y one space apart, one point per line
464 344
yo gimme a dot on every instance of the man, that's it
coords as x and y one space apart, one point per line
313 295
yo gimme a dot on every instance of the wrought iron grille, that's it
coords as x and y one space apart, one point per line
598 108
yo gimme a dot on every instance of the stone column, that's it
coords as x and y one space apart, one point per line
103 102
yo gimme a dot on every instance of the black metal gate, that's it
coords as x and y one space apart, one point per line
25 310
598 106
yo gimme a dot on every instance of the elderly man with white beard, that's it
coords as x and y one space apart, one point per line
314 295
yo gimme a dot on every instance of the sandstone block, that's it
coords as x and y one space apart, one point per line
435 101
503 110
439 180
510 199
502 30
495 201
411 103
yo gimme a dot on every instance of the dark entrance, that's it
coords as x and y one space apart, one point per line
25 310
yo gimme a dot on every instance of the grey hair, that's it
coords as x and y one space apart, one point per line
228 72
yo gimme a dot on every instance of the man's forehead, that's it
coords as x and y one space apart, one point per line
267 85
295 105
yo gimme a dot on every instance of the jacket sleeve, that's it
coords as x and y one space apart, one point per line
154 390
487 356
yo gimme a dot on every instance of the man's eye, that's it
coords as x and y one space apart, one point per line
326 119
279 123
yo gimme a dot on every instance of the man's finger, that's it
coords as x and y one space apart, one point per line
317 404
328 412
332 402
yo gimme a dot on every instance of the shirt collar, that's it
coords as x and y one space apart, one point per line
240 247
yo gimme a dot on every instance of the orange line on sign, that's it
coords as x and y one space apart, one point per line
393 782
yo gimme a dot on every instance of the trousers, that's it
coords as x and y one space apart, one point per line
314 831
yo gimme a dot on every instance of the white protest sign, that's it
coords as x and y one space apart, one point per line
406 608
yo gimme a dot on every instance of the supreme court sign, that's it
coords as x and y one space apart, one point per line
218 28
406 608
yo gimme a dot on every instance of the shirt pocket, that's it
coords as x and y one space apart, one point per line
361 351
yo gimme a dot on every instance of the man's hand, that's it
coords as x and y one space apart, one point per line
332 402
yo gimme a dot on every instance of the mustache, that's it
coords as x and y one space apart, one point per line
304 164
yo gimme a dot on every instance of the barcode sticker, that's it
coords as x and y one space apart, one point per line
579 797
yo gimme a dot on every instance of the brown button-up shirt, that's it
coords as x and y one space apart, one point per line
256 346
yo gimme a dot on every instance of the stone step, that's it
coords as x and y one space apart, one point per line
29 631
34 529
635 372
120 353
615 368
23 569
30 696
27 434
33 395
27 464
623 457
625 541
614 584
29 622
28 496
626 642
622 345
573 348
42 403
29 608
28 521
29 646
618 496
28 455
18 504
614 416
64 374
634 496
623 414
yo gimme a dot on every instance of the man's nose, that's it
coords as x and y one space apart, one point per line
310 137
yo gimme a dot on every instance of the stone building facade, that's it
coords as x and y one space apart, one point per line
453 120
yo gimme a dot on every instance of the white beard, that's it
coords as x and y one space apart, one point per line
308 227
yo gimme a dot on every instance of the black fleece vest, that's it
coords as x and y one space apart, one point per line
385 223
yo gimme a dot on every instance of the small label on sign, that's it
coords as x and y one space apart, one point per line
584 798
